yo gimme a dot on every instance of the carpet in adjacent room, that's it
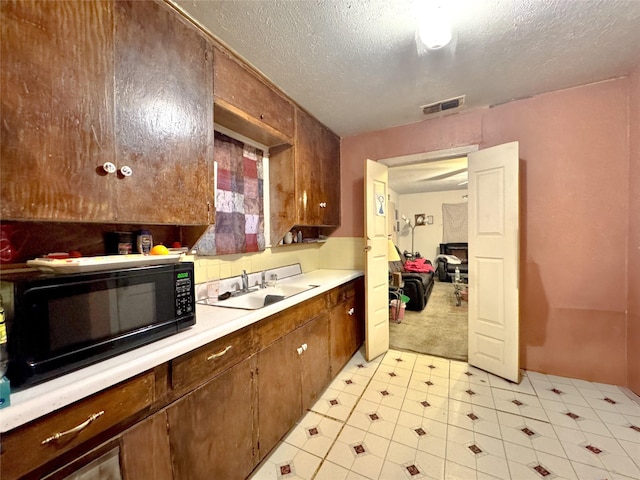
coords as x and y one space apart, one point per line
440 329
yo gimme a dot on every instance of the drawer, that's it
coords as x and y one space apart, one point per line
277 326
196 367
33 445
341 294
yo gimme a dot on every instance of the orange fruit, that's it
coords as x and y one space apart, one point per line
159 250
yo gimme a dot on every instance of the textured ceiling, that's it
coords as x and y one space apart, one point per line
355 64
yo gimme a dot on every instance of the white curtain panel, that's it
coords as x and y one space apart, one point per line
454 222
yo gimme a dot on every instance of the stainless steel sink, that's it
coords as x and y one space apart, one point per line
256 299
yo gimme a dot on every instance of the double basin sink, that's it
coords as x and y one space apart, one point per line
256 298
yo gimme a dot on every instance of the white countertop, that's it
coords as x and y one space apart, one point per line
211 323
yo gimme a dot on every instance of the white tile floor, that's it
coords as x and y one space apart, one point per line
415 416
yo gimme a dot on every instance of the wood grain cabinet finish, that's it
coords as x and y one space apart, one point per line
317 163
145 451
346 323
211 430
33 445
57 110
163 117
292 373
236 86
104 81
196 367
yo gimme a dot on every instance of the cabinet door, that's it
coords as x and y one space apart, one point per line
329 150
308 169
211 430
144 450
343 335
164 116
236 85
57 110
317 159
314 359
279 400
346 326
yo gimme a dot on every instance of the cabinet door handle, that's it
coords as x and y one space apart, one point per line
74 430
220 353
351 311
126 171
299 350
304 347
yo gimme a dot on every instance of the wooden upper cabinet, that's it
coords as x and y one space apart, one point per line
248 105
57 110
90 82
164 116
317 163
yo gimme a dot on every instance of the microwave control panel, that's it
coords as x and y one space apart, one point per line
185 295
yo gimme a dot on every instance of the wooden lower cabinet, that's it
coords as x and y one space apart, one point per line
346 325
207 423
211 430
292 373
145 451
314 360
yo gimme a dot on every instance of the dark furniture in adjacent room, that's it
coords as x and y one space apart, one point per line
417 286
446 270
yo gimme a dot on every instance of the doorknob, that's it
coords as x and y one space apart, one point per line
367 248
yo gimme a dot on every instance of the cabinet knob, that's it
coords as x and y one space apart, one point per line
126 171
304 347
299 350
323 204
351 311
109 167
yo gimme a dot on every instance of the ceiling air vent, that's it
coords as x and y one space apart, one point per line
443 106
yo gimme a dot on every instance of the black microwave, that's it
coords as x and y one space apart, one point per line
60 323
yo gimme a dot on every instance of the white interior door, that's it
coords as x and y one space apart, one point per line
376 264
493 260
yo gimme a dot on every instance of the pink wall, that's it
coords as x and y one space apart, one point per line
633 319
575 210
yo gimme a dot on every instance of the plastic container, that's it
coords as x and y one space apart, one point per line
397 314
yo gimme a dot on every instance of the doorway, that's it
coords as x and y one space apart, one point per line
419 185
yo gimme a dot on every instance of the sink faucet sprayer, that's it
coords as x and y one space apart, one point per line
245 281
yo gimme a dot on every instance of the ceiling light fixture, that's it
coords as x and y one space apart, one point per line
434 29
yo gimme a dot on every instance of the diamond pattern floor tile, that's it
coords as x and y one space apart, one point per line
408 416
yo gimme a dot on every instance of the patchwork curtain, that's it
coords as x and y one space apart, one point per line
454 222
239 226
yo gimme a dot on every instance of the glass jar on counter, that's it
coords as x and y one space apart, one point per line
144 242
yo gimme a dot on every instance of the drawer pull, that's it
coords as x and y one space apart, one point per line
220 353
74 430
352 311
